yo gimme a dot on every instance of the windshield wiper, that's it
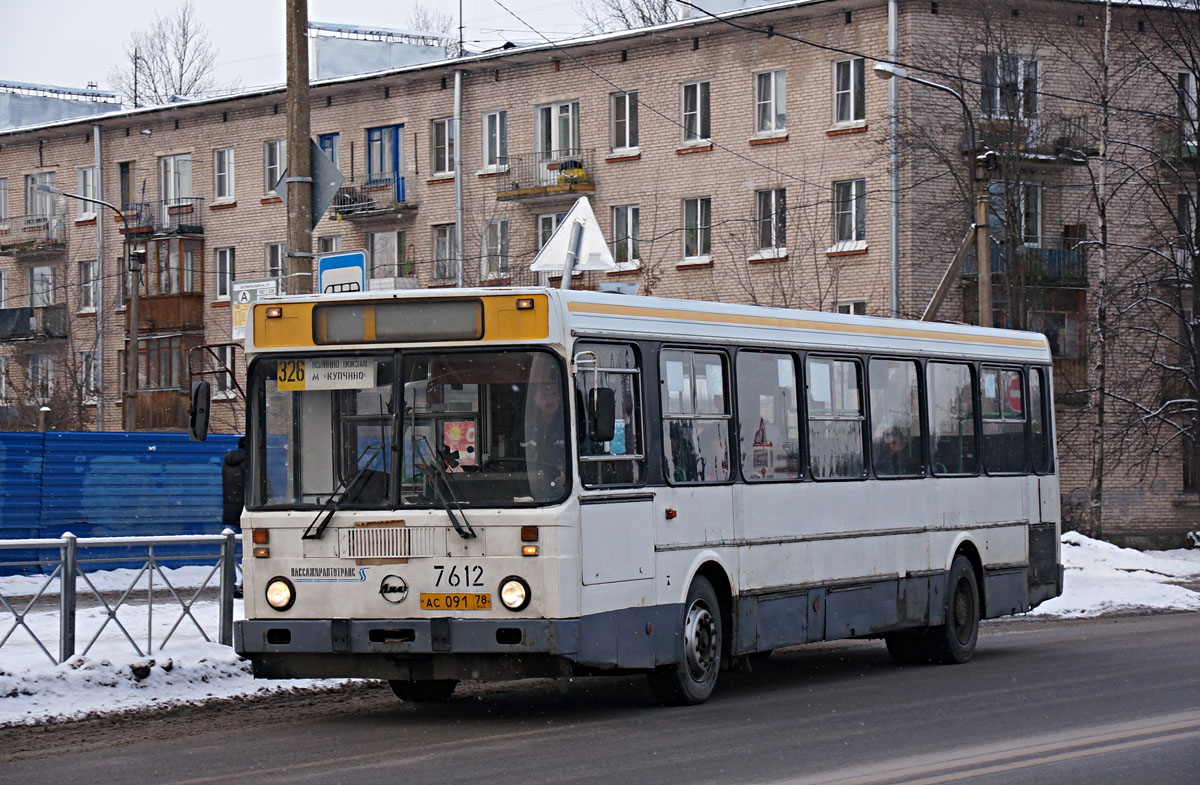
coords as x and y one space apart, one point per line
353 485
431 464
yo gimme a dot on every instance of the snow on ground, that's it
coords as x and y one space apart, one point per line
108 675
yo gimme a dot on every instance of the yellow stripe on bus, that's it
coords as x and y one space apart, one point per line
800 324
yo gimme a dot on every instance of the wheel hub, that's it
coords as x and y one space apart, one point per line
700 641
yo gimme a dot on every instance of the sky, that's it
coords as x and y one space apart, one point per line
1100 578
80 42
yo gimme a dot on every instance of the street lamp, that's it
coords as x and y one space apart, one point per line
129 413
982 250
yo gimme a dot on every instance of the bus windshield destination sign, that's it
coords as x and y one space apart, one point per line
326 373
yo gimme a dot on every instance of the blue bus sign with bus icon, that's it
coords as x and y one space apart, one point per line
345 271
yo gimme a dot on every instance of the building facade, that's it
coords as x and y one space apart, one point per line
745 163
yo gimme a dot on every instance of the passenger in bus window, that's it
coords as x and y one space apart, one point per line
890 454
545 436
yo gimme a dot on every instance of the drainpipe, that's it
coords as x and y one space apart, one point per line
98 361
458 178
894 159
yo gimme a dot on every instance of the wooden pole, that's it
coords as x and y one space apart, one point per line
298 270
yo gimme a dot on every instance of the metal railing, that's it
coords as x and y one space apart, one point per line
33 230
1062 266
379 191
68 568
182 215
529 173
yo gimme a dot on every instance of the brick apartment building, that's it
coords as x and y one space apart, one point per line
742 165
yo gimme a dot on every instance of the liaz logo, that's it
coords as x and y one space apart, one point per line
393 589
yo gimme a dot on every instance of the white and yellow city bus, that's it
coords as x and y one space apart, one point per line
502 483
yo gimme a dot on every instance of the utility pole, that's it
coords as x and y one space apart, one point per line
298 269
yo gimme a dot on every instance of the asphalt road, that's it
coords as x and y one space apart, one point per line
1098 701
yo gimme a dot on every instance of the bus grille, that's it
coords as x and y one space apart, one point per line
392 542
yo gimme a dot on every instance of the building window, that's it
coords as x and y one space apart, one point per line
1028 206
626 235
173 266
850 211
41 287
3 288
42 372
385 157
3 380
1031 215
275 260
176 176
3 201
329 145
445 251
695 112
495 248
1189 108
495 139
223 173
330 244
225 272
697 228
849 91
1010 88
385 254
771 218
223 380
547 223
443 146
770 92
852 307
274 161
162 363
624 111
38 202
125 183
87 376
85 183
558 131
87 285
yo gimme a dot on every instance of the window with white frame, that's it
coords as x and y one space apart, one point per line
495 248
850 211
1031 214
697 228
40 379
495 139
626 234
546 224
849 91
853 307
38 202
445 251
695 112
1009 87
223 380
3 201
443 146
225 272
771 218
3 288
624 112
175 172
85 185
3 379
41 286
275 260
274 162
88 382
88 283
385 254
558 130
770 105
1189 108
223 174
1028 206
329 244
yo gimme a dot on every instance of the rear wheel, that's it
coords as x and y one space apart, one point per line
430 691
954 641
691 680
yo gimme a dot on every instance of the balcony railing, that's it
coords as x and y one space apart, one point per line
184 215
375 194
23 324
546 174
1062 266
33 231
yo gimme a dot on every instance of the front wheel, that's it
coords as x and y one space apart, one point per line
429 691
691 680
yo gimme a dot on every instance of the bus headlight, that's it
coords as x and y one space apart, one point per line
514 593
280 593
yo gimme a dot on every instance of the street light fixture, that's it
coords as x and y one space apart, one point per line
982 246
129 413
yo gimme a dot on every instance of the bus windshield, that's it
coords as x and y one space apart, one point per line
395 430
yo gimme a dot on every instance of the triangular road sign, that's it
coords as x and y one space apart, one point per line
593 249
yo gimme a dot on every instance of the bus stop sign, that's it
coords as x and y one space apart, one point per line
345 271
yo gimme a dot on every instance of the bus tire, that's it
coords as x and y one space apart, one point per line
954 641
429 691
692 679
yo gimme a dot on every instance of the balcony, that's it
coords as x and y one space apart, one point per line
33 234
162 410
1177 139
27 324
170 216
1065 265
378 196
547 176
161 312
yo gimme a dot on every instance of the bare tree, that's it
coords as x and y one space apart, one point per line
610 15
423 19
171 57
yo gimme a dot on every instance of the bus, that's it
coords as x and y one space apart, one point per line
486 484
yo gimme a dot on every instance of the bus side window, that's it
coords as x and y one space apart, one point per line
695 416
769 417
951 418
1038 432
1002 403
620 460
835 418
896 419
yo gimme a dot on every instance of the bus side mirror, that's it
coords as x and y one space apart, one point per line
601 414
198 412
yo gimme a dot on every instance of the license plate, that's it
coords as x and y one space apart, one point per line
456 602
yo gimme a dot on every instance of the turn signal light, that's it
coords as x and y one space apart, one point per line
261 536
529 534
274 312
262 553
525 304
529 550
